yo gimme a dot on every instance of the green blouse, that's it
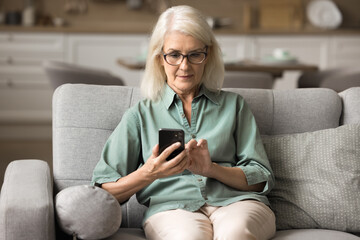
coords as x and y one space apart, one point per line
223 119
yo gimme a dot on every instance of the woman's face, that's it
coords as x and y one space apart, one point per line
186 77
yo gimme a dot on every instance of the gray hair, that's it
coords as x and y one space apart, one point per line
189 21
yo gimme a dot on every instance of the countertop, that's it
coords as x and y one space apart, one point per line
145 28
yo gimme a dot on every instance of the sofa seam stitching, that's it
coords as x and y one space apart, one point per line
273 113
65 127
6 201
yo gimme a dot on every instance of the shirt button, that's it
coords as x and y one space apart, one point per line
182 115
193 135
199 179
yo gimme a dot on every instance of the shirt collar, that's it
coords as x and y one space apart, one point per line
169 95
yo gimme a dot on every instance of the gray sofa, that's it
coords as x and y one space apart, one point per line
292 121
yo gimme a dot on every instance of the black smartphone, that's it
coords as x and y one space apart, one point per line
169 136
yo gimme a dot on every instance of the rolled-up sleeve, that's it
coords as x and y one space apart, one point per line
121 153
252 158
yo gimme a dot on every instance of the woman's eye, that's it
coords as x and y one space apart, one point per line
195 55
174 55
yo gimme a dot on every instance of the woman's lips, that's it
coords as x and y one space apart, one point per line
185 76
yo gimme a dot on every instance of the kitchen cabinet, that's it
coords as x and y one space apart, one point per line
234 47
102 52
312 50
307 49
344 51
21 57
25 94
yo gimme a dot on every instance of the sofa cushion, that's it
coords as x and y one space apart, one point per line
88 212
128 234
317 178
301 234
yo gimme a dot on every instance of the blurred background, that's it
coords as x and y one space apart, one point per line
308 40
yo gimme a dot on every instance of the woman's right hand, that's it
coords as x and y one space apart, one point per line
154 168
158 167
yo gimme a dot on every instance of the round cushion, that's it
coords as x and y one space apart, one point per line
89 212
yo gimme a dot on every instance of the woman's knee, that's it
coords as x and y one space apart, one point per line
244 220
178 225
180 233
240 232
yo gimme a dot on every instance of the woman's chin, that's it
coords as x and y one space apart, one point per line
184 88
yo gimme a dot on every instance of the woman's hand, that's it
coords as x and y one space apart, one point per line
199 157
155 167
200 163
158 167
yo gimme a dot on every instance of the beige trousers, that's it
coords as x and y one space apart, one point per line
242 220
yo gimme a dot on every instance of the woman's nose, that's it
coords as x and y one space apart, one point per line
185 64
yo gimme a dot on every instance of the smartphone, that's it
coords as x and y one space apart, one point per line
169 136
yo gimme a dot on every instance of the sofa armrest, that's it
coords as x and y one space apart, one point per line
26 202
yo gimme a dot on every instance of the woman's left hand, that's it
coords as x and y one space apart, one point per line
201 164
199 157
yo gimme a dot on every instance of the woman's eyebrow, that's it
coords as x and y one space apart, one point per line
177 50
173 50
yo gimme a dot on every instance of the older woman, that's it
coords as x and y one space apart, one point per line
216 188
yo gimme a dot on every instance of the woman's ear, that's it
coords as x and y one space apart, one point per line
161 59
208 54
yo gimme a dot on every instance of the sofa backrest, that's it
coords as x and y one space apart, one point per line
351 105
84 116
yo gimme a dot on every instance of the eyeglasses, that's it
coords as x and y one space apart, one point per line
176 58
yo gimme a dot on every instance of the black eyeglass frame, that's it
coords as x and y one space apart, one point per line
187 57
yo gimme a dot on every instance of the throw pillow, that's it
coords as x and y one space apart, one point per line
317 178
87 212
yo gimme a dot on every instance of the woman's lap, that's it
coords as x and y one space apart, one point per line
248 219
178 224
